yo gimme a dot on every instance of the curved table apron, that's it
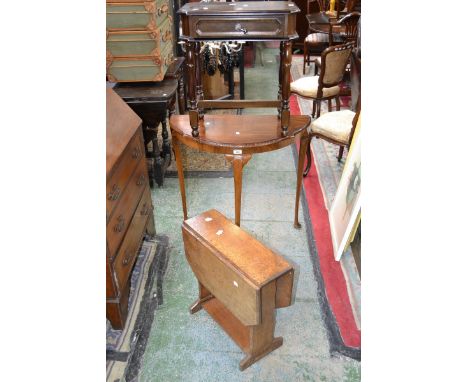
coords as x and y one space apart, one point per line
238 137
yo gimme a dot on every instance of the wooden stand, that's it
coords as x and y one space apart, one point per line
243 21
154 102
241 282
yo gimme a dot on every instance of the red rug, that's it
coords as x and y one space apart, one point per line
332 274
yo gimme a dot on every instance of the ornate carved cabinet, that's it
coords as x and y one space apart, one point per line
129 210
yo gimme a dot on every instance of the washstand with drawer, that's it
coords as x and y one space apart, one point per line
129 209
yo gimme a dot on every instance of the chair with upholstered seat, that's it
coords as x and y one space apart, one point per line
318 40
336 127
326 85
349 26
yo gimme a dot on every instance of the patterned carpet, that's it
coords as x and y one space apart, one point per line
329 173
125 347
185 347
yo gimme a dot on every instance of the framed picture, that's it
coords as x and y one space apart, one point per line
345 212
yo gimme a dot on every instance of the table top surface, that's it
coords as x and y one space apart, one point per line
147 91
254 260
250 133
239 7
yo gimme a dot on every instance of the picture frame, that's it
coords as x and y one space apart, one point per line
345 212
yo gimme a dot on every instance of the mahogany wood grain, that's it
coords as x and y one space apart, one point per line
235 135
127 181
122 171
111 289
122 214
117 308
128 251
246 21
256 133
121 124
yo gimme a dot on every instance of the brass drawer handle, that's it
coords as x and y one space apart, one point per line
141 180
114 193
163 9
120 225
239 28
136 152
126 259
146 209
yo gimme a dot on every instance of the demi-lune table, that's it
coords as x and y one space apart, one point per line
238 137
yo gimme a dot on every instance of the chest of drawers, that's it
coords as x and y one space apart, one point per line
129 209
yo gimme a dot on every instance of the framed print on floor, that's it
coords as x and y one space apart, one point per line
345 212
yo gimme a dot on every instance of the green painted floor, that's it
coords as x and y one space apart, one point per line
184 347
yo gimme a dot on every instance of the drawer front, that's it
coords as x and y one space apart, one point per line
129 250
120 219
122 172
139 69
246 27
136 16
111 290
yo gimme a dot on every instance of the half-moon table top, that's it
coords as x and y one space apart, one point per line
227 134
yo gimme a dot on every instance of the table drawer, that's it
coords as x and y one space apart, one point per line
120 219
123 170
230 27
128 251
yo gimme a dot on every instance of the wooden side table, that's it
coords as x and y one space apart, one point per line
154 102
241 21
233 136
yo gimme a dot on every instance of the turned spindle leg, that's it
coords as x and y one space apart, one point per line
191 86
286 56
198 77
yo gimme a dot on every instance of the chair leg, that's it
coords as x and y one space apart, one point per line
340 153
319 106
337 103
309 159
314 106
305 57
329 105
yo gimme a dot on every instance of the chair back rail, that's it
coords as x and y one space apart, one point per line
333 61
